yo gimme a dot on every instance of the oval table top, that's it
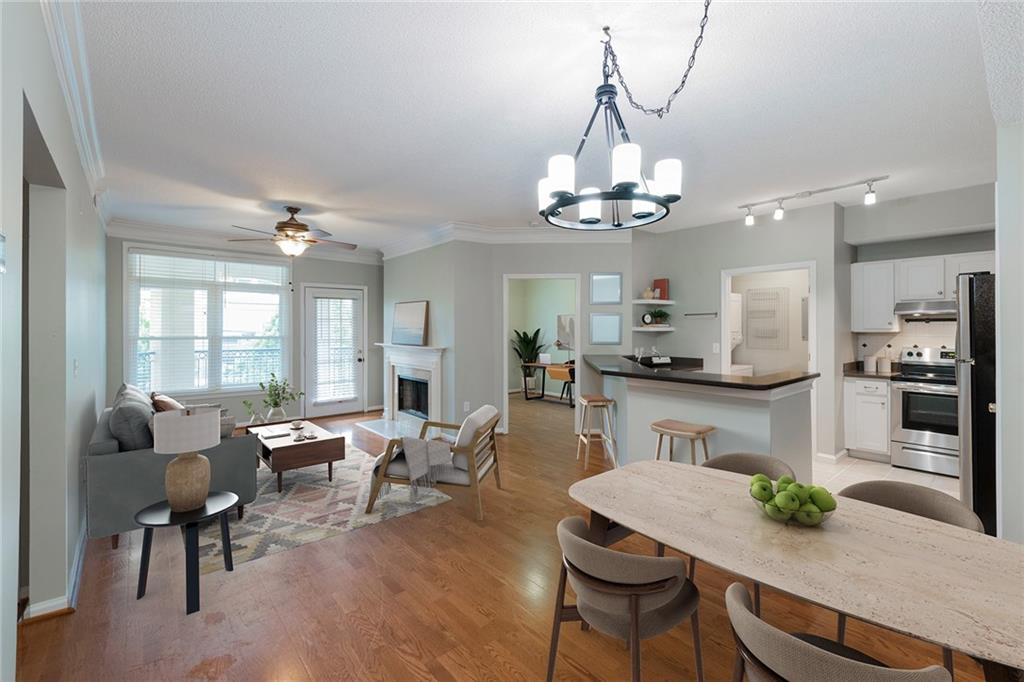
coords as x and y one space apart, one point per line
937 582
159 514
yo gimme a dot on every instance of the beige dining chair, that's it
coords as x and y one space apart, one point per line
627 596
766 654
474 456
920 501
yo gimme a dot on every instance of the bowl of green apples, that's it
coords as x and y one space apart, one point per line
789 501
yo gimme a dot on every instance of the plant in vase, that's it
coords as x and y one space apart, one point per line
254 416
528 347
278 394
660 316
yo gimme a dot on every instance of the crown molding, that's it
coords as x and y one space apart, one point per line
187 236
481 234
63 21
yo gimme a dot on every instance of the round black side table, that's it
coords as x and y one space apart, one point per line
159 515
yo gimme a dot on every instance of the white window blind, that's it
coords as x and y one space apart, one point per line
337 325
200 323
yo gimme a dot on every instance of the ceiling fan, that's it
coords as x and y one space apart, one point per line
293 236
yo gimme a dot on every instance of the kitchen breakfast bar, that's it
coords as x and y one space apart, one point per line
770 414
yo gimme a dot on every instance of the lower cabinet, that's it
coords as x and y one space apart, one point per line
866 417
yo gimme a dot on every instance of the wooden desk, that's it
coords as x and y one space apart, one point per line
544 374
927 579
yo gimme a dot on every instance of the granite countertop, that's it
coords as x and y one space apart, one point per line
689 371
856 370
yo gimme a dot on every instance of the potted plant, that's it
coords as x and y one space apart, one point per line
660 316
254 416
278 394
528 347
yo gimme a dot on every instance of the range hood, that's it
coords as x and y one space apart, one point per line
926 310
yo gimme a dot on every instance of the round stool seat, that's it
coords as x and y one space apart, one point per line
595 399
680 429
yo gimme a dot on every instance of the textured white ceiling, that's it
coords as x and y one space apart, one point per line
391 118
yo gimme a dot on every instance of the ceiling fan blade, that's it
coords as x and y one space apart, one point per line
317 233
251 240
344 245
250 229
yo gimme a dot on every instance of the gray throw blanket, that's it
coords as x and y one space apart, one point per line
426 459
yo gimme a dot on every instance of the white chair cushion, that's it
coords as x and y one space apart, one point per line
473 422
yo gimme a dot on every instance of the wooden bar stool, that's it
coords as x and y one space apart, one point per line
592 403
673 428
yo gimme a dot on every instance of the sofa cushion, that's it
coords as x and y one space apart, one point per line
130 390
163 403
129 422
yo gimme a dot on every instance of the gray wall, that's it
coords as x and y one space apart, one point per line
934 246
305 270
970 209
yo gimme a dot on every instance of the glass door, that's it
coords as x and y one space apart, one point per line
333 355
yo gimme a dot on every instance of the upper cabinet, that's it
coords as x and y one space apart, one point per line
921 279
980 261
873 297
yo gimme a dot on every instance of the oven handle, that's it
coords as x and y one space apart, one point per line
925 388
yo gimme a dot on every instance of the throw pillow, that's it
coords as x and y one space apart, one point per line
163 403
129 422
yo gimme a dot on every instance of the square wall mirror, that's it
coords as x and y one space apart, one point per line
605 288
605 329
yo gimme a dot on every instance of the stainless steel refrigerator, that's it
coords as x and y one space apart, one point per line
976 384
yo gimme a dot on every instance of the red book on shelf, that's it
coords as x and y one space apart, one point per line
661 284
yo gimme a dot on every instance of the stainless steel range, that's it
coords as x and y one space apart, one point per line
924 412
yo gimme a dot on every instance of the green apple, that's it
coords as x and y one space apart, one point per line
784 482
800 490
774 512
823 499
787 501
762 491
808 514
760 477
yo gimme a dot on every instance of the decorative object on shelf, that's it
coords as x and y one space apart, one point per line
659 316
661 288
648 294
787 500
780 212
605 329
409 323
254 416
293 236
633 199
278 394
184 433
527 347
605 288
647 319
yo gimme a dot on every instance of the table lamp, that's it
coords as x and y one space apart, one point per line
184 433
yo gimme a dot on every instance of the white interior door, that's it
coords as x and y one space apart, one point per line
335 380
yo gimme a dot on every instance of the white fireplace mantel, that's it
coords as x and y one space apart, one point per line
423 359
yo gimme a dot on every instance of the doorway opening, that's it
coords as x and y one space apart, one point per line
333 349
539 340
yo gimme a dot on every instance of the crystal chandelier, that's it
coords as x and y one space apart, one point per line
634 199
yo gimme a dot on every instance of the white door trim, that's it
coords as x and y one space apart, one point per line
503 350
302 331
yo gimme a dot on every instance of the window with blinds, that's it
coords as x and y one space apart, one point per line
199 323
337 328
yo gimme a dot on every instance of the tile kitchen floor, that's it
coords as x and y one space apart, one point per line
837 475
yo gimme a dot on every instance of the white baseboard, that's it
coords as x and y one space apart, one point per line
373 408
75 579
834 459
45 607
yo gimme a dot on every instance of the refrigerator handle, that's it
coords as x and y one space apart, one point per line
964 351
965 431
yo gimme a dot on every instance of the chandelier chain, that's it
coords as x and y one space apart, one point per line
611 67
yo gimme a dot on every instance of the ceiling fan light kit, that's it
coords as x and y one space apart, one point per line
293 236
648 198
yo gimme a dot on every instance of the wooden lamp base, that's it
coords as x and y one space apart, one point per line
187 481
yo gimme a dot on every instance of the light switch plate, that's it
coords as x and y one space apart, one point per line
716 348
465 406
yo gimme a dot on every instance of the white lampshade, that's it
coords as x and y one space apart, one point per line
668 174
177 431
292 247
543 193
625 165
590 211
562 173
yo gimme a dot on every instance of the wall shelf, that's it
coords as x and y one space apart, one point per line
654 330
653 301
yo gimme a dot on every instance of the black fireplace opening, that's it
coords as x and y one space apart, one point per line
414 396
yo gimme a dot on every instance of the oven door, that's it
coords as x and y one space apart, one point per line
925 414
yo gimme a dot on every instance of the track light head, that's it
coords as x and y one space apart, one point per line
749 219
869 197
779 212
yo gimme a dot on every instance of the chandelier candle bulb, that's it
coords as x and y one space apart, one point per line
626 166
668 177
590 211
562 174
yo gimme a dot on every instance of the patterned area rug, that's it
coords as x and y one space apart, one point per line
309 508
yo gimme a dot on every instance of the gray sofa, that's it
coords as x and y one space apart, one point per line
120 483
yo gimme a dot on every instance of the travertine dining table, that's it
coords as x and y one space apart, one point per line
937 582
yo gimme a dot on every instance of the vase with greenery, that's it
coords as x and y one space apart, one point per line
254 416
528 347
660 316
278 394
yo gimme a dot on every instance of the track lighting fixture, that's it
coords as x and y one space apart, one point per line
869 197
749 220
779 213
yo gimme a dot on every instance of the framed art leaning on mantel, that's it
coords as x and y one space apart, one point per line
409 325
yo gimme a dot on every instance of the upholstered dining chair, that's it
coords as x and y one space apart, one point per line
474 456
767 654
920 501
626 596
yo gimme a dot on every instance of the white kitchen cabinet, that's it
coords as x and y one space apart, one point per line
873 297
921 279
978 261
866 416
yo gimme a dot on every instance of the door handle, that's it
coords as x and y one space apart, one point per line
992 408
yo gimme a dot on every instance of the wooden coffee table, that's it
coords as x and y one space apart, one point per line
284 453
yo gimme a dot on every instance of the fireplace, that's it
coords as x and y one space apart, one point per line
414 396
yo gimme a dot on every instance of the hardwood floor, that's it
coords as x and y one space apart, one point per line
434 595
